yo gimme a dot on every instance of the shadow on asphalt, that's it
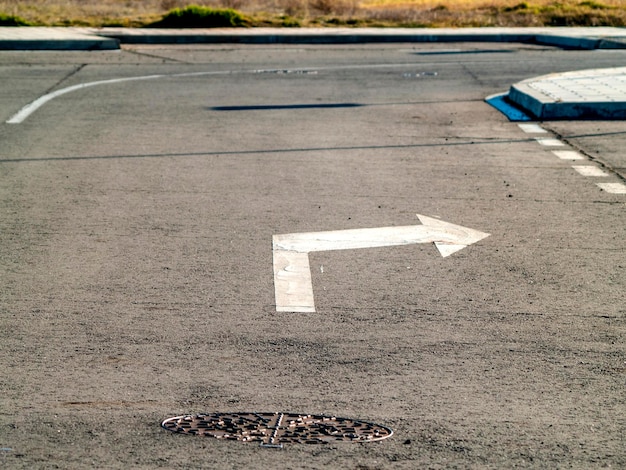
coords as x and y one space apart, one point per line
286 106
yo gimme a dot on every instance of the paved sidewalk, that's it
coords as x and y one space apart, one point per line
65 39
597 94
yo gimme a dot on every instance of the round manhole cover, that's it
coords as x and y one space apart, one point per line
275 429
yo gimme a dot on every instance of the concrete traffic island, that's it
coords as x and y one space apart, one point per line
584 94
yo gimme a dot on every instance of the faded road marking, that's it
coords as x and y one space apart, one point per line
613 188
568 155
549 142
588 170
532 128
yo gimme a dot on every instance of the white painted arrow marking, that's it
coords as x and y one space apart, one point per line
292 273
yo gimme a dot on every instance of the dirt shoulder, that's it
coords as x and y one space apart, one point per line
326 13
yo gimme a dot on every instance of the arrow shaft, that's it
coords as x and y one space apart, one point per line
292 282
362 238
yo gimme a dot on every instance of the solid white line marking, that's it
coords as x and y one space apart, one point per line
568 155
613 188
292 272
549 142
532 128
588 170
30 108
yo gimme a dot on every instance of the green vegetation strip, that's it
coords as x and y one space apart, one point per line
10 20
195 16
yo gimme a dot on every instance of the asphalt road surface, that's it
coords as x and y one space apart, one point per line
136 263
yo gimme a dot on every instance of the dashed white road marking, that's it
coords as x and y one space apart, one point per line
549 142
568 155
532 128
588 170
585 170
292 273
613 188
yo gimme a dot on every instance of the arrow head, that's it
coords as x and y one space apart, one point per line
450 238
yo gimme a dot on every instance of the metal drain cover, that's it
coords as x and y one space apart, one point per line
275 429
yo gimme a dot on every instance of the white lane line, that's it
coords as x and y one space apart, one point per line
613 188
30 108
588 170
292 272
532 128
568 155
549 142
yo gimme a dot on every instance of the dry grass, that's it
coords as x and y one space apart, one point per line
432 13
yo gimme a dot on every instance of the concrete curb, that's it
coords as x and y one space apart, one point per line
68 45
36 38
571 38
307 36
